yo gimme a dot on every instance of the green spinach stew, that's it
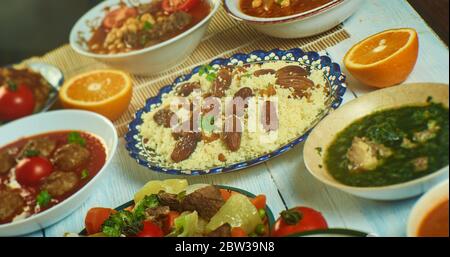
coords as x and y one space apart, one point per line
391 146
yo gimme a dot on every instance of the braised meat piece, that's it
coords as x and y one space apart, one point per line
222 82
171 24
60 183
187 88
70 157
366 155
42 146
171 200
206 201
163 117
11 204
157 214
185 146
7 161
420 164
222 231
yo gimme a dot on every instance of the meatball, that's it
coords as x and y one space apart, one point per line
60 183
6 162
11 204
43 146
70 156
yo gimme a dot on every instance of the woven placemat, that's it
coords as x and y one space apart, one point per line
225 37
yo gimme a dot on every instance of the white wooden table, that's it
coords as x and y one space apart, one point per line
285 180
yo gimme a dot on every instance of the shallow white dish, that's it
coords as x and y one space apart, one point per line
426 203
150 60
57 121
299 25
325 132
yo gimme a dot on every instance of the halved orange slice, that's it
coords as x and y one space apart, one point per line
384 59
107 92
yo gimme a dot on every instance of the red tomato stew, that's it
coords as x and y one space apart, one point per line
38 172
128 28
279 8
435 223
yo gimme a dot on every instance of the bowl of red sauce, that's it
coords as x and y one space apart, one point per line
50 163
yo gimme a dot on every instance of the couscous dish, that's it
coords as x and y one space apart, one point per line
225 115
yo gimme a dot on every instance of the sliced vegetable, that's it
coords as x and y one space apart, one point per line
238 232
259 202
226 193
172 186
185 225
43 198
95 219
122 223
297 220
150 229
238 211
76 138
170 221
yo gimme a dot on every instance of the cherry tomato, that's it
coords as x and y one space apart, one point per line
238 232
30 171
179 5
117 17
170 221
95 219
259 202
150 230
16 101
299 219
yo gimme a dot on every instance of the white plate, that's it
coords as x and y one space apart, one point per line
57 121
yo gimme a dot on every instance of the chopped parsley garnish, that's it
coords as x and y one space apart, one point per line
319 150
209 71
75 138
43 198
12 85
211 76
31 153
129 223
148 25
84 174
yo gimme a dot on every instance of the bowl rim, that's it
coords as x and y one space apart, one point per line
269 212
108 161
332 69
412 224
339 185
284 19
215 4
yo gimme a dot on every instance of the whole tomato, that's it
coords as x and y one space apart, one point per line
16 101
298 219
30 171
95 219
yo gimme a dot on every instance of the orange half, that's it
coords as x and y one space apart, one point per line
384 59
107 92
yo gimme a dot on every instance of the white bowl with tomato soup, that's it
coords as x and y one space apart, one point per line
56 160
305 18
429 216
142 46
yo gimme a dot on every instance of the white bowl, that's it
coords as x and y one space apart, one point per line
150 60
426 203
57 121
299 25
325 132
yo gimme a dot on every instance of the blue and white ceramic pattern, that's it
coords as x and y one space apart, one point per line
312 60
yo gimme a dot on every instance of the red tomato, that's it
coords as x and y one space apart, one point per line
179 5
95 219
170 221
298 220
16 101
259 202
150 230
117 17
30 171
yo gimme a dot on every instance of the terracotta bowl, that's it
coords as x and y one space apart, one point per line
325 132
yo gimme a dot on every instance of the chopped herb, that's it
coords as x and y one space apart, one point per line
75 138
429 99
143 39
211 76
148 25
31 153
320 166
319 150
149 201
181 195
84 174
246 75
209 71
12 85
43 198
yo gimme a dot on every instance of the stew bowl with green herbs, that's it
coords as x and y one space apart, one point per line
390 144
49 164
